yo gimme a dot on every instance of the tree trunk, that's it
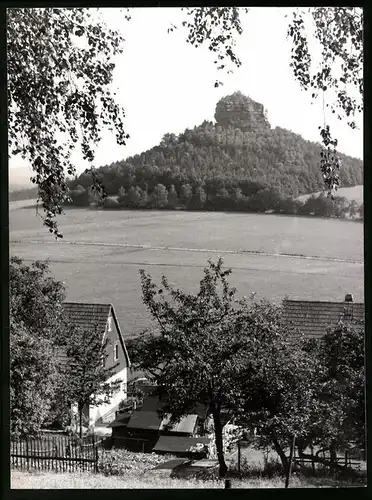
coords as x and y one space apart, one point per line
282 455
333 457
219 442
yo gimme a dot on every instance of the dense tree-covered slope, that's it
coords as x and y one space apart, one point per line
239 151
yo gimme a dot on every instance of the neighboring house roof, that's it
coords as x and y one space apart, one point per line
89 315
184 426
150 420
172 464
312 318
153 403
146 420
121 420
180 444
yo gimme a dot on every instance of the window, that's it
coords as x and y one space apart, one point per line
109 324
116 352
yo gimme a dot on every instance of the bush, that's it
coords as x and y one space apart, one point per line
111 203
117 462
271 468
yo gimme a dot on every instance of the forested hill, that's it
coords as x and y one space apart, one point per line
240 151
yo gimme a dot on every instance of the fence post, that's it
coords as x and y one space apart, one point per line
227 484
96 457
312 459
290 462
28 460
239 457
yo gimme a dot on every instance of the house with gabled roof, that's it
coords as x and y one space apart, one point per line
102 318
313 318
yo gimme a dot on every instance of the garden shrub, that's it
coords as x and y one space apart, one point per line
118 461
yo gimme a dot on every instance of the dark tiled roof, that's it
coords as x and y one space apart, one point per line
88 316
151 403
178 444
147 420
313 318
121 421
150 420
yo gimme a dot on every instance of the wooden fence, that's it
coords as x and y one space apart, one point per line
58 453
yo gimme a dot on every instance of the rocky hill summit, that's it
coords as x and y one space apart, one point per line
242 112
237 157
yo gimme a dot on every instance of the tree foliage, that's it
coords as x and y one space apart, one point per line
338 419
339 33
60 66
35 323
192 360
248 366
277 385
236 358
32 380
35 298
217 27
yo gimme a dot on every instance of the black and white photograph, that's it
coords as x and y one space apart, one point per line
186 247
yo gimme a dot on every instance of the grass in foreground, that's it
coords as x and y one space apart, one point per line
133 480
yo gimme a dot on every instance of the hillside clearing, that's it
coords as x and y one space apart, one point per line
351 193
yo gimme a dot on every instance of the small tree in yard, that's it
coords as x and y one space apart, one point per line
224 353
193 359
313 390
338 418
276 385
86 372
35 322
32 380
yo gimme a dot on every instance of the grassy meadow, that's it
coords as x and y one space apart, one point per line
351 193
270 255
151 480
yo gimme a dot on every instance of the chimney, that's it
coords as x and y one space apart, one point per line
349 297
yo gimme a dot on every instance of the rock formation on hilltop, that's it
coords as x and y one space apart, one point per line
240 111
237 156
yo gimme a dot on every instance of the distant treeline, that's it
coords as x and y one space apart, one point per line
23 194
244 197
223 168
214 158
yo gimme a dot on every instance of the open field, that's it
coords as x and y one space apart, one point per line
351 193
274 256
15 205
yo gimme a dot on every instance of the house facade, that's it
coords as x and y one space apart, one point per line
103 319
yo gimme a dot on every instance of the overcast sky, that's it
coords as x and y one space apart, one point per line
166 85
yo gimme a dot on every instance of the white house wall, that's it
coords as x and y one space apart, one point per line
96 412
